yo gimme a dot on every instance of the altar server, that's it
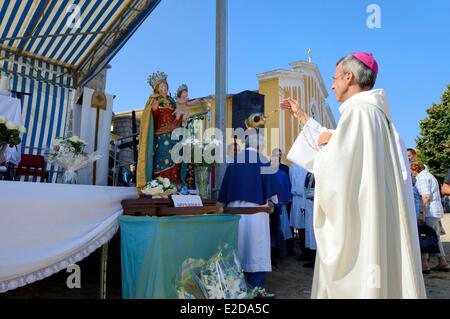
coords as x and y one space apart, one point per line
251 182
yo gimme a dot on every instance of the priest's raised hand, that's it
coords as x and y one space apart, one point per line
292 105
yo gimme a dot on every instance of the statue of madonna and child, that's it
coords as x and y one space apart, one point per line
161 116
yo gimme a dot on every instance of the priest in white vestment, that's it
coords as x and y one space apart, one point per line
364 220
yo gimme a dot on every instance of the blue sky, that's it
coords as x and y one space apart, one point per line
411 47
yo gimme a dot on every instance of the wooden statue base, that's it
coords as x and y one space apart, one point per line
147 206
160 207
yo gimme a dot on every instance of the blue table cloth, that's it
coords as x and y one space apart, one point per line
153 249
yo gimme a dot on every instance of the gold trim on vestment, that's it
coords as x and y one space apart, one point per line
141 180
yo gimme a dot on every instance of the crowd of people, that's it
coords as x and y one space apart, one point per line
289 189
293 218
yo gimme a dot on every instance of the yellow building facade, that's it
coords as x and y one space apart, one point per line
303 83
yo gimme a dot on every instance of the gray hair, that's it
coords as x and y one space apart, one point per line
364 76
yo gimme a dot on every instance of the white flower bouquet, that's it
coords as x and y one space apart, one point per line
10 135
221 277
201 153
10 132
68 154
159 187
204 156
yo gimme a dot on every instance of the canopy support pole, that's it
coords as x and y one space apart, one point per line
221 80
103 270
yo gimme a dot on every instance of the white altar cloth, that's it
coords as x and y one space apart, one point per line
44 227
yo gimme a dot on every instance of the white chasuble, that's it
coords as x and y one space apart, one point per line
365 229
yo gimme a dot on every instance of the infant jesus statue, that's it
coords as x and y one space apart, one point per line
183 102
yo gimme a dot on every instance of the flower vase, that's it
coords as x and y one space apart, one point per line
69 177
202 181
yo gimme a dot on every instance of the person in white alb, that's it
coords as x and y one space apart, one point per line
364 220
297 175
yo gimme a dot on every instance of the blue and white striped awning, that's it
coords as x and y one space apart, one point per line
66 42
49 47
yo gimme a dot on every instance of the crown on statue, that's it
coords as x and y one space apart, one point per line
183 87
156 78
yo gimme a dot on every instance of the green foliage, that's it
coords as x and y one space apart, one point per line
433 144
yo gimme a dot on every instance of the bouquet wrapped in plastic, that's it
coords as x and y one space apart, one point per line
187 279
68 154
221 277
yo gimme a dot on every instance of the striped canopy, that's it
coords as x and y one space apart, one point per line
66 42
49 47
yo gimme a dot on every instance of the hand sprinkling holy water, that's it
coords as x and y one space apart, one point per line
291 105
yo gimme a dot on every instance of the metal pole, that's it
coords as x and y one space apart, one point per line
221 79
94 166
134 132
115 168
103 270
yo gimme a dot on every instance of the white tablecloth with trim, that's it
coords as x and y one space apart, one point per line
44 228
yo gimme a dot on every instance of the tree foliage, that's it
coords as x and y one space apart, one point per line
433 144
